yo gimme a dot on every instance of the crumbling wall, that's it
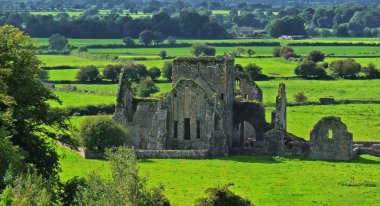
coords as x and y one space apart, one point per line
279 120
124 109
140 129
249 90
339 146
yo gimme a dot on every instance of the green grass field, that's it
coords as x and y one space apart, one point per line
363 120
264 180
75 99
67 60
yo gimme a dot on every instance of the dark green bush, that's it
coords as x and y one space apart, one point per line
222 196
99 132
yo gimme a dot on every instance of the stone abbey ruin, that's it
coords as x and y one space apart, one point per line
215 110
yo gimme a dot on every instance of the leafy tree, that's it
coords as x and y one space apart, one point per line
128 41
82 49
167 70
198 49
308 68
285 52
88 73
154 73
345 68
112 72
146 87
43 75
163 54
317 56
371 71
241 50
158 37
58 43
146 37
30 189
171 40
254 71
132 191
221 195
33 121
251 52
99 132
287 25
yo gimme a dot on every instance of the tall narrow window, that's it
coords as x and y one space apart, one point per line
222 96
175 129
246 96
198 129
187 129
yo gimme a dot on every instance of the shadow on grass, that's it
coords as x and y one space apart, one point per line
278 159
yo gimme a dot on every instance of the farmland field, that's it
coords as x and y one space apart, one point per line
66 60
71 99
264 180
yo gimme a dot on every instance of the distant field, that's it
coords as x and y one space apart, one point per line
264 180
63 74
67 60
81 42
74 99
363 120
78 13
260 51
315 89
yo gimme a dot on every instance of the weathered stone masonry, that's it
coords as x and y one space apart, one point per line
204 115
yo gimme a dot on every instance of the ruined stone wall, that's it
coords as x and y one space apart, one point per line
140 130
214 74
124 109
176 154
279 120
339 146
249 90
188 100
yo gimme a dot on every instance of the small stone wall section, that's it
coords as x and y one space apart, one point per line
173 154
339 147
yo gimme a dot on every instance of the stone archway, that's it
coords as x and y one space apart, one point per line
247 134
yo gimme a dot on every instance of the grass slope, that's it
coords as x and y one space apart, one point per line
264 180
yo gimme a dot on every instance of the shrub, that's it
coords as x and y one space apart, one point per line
308 68
88 73
254 71
371 71
58 43
82 49
276 52
251 52
71 188
154 73
43 75
171 40
146 88
198 49
30 189
132 191
221 195
300 97
167 70
128 41
345 68
99 132
317 56
112 72
163 54
241 50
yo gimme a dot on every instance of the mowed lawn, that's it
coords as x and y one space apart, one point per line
264 180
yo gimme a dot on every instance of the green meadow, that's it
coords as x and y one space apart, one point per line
76 99
69 60
264 180
363 120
